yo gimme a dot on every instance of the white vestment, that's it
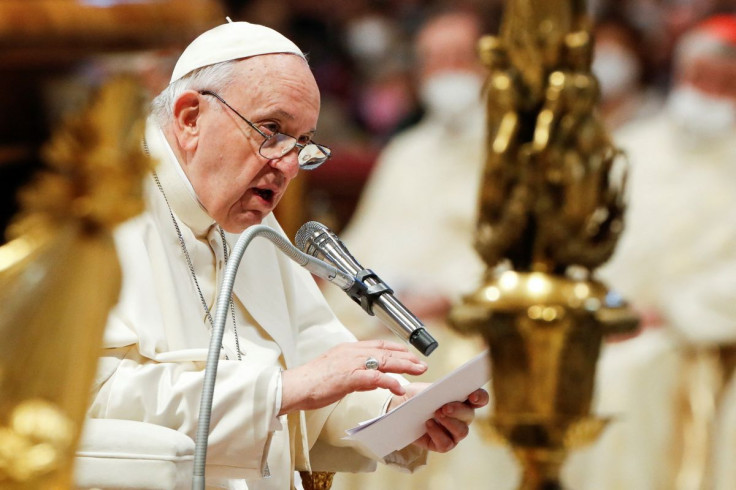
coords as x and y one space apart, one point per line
677 259
416 217
157 337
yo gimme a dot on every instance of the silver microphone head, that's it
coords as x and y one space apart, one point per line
306 235
315 239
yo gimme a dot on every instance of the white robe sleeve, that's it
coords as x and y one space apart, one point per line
168 394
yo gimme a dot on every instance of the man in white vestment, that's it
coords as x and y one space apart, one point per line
671 389
229 133
415 224
416 216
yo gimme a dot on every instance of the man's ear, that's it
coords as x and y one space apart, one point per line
187 110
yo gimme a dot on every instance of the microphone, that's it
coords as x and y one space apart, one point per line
369 291
313 264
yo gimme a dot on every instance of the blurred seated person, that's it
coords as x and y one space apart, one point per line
422 193
414 226
672 387
620 64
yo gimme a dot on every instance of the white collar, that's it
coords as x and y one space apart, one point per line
178 189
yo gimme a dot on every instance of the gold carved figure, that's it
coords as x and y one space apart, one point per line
550 212
59 276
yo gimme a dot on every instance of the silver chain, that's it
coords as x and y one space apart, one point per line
194 275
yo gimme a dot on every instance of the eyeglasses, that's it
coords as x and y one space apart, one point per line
276 145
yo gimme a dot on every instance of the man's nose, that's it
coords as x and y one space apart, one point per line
288 163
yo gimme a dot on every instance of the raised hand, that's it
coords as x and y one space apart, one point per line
342 370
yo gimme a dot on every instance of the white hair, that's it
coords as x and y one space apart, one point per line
215 77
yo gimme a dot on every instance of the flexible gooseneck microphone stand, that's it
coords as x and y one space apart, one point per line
314 265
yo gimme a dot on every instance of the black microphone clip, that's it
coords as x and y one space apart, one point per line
365 295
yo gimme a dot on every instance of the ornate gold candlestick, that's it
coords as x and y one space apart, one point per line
59 276
551 211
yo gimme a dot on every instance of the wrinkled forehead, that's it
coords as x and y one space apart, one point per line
274 65
275 79
275 71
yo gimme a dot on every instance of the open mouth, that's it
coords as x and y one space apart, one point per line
265 194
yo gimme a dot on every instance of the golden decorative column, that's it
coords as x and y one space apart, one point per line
59 273
59 276
551 206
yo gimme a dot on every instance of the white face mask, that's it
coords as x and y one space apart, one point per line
617 71
369 38
450 95
703 116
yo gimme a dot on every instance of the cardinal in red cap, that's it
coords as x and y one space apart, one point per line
671 388
704 97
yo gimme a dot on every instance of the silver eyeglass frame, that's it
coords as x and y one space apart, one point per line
279 137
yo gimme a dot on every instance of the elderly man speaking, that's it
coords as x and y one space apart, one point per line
229 133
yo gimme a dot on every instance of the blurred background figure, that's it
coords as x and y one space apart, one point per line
623 69
430 174
414 225
662 22
422 194
672 387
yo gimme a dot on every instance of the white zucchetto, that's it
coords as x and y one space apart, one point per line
231 41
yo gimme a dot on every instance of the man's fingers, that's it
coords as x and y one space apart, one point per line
401 366
443 434
391 361
465 411
457 410
456 428
370 379
439 439
450 424
344 369
379 344
479 398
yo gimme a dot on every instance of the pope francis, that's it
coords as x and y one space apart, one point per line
231 130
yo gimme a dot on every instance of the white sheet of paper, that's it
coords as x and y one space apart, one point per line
405 424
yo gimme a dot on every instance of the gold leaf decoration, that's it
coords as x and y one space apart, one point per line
59 277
